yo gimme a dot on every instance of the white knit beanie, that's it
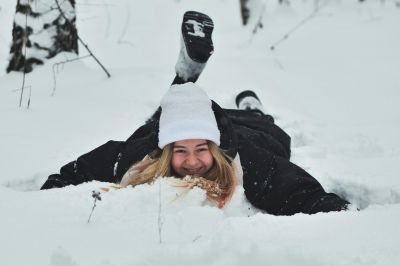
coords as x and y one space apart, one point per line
186 113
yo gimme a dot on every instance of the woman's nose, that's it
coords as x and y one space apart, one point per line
192 160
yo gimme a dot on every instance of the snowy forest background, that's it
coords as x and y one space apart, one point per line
332 84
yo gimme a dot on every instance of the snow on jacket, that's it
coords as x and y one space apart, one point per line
271 182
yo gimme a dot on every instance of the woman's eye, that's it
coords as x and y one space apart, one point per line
179 151
201 150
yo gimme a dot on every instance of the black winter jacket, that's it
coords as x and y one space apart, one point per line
271 182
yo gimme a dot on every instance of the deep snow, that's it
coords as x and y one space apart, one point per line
332 85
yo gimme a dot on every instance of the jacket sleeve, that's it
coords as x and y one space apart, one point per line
276 185
95 165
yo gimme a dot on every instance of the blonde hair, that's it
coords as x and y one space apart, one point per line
219 182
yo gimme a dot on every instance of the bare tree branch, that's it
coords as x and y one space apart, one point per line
160 219
24 44
82 42
125 28
301 23
108 19
259 23
62 63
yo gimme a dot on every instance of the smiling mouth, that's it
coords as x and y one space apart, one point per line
193 171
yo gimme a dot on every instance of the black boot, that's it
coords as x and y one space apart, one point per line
196 46
248 100
197 29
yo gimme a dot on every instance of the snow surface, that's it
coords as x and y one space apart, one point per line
333 85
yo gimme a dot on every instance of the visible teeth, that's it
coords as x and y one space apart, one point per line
193 170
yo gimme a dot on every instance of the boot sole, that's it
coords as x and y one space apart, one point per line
197 29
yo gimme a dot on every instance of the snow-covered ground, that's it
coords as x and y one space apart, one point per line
333 85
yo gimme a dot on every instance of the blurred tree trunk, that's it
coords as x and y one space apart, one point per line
286 2
40 32
245 11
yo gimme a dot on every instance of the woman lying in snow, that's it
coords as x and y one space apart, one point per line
192 138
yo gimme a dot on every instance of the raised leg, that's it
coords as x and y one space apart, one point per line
196 47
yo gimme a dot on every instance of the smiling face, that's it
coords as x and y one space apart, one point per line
191 157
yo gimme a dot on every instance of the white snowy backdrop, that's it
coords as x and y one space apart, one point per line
333 85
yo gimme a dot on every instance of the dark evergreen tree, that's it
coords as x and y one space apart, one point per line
41 30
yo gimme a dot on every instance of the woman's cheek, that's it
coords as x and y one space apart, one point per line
176 161
208 160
